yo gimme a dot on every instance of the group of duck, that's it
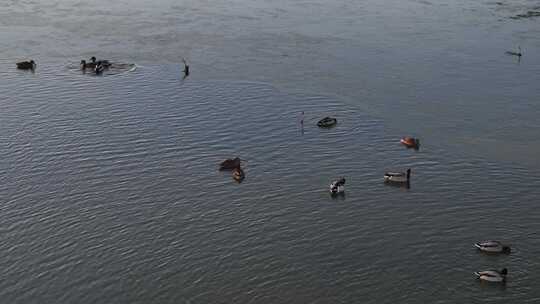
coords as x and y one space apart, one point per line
396 178
94 65
403 178
337 186
493 247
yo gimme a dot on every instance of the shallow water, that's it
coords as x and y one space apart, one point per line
109 185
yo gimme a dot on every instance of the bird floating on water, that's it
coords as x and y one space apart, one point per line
410 142
230 164
492 275
26 65
398 177
337 186
492 247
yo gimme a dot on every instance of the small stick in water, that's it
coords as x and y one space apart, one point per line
515 53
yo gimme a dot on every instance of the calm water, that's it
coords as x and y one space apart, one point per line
109 188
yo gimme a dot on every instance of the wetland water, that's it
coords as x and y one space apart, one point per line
110 191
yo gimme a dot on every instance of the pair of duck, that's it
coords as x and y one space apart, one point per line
398 178
98 66
403 178
492 275
234 165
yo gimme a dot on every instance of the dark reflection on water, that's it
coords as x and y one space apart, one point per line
114 195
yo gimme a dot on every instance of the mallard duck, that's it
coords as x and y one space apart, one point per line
492 275
230 164
26 65
410 142
337 186
238 174
327 122
492 247
398 177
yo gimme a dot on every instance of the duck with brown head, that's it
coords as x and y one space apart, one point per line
238 174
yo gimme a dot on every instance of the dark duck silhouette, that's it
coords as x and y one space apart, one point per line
26 65
230 164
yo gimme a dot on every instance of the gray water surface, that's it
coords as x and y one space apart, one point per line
109 188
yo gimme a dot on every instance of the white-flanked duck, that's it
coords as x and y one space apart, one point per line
327 122
492 275
337 186
26 65
398 177
492 247
410 142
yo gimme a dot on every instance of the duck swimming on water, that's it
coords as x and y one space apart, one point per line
398 177
492 275
94 63
327 122
492 247
410 142
230 164
337 186
26 65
